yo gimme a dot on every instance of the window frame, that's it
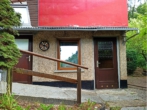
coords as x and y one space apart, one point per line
58 53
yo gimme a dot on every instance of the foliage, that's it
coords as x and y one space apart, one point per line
142 9
89 105
134 10
141 61
9 103
62 107
45 107
72 59
115 108
131 61
9 53
139 42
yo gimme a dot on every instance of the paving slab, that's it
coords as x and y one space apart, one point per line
85 95
46 94
134 108
117 95
127 103
39 91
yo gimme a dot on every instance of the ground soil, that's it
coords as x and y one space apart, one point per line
138 85
138 81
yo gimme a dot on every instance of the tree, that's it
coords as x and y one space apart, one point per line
9 52
134 7
131 61
138 43
142 9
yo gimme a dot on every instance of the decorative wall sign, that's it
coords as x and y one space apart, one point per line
44 45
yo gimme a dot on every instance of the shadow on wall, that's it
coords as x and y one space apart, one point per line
85 84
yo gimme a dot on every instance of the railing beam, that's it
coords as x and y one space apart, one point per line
60 78
54 59
39 74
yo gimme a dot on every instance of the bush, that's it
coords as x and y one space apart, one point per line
141 61
131 61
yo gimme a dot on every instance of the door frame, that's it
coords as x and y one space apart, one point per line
117 54
30 37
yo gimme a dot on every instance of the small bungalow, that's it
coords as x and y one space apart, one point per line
86 32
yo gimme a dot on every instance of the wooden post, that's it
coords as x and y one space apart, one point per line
78 85
11 78
8 81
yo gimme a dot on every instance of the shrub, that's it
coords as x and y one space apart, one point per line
9 103
131 61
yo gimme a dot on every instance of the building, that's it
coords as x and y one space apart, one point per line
87 32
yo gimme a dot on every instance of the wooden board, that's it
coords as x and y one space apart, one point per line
39 74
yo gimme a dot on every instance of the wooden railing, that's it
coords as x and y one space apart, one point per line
33 73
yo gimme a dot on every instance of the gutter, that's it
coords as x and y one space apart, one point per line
29 28
74 28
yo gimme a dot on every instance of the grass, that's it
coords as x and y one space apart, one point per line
115 108
8 102
112 108
45 107
132 93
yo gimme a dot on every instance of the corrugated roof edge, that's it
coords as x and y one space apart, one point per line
74 28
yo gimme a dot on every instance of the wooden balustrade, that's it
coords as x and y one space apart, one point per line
33 73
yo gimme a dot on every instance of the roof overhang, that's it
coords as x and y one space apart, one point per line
30 29
75 29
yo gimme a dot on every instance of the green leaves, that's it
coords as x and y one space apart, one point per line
8 17
9 52
131 61
45 107
139 43
9 103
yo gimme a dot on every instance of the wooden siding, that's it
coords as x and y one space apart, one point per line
33 10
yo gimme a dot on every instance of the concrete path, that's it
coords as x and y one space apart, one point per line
125 98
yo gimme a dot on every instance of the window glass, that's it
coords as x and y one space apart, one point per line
68 52
25 19
105 54
22 44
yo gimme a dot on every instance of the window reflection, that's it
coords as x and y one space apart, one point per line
68 52
25 18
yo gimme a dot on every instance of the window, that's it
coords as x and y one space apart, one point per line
25 18
68 51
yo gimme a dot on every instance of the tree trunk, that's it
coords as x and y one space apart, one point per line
9 81
144 55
